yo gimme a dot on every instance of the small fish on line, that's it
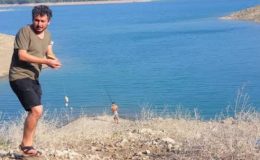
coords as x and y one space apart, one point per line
114 109
66 100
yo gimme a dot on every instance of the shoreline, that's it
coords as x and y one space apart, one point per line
149 138
75 3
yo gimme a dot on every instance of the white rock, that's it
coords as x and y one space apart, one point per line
3 153
135 158
177 147
58 153
169 140
92 157
147 152
123 142
139 153
93 148
131 136
145 158
73 153
146 130
154 143
169 147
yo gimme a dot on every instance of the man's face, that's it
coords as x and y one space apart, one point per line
40 23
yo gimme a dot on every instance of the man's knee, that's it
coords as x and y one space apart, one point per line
37 111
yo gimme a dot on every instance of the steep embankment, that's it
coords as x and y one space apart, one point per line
98 138
249 14
6 50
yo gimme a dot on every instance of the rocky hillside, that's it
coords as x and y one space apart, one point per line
249 14
6 50
98 138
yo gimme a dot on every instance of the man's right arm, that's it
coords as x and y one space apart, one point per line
24 56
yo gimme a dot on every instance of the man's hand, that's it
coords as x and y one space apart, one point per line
53 63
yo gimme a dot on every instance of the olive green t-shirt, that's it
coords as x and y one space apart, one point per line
26 39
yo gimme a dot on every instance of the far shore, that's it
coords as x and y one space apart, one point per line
248 14
74 3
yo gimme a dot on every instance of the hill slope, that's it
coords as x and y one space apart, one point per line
6 50
249 14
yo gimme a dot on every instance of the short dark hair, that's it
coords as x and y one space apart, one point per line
41 10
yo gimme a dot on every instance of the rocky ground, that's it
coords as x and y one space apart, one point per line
154 139
249 14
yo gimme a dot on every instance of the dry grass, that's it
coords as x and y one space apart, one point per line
176 136
193 139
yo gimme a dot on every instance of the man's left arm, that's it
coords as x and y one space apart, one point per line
50 54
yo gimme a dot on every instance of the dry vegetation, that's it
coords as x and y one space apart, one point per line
176 136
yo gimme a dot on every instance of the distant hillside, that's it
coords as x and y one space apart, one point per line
249 14
38 1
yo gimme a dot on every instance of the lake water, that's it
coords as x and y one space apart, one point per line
161 54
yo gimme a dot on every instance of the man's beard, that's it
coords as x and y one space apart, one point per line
36 31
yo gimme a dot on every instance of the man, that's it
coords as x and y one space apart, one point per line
31 47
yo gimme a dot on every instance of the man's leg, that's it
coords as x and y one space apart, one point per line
30 125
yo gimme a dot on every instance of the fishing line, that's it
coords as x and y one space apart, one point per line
66 98
108 95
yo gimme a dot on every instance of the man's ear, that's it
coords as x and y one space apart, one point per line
49 22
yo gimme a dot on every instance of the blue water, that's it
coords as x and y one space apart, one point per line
160 54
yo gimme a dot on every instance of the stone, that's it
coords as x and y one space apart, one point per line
169 147
147 152
169 140
3 153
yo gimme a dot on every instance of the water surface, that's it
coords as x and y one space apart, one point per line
160 54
